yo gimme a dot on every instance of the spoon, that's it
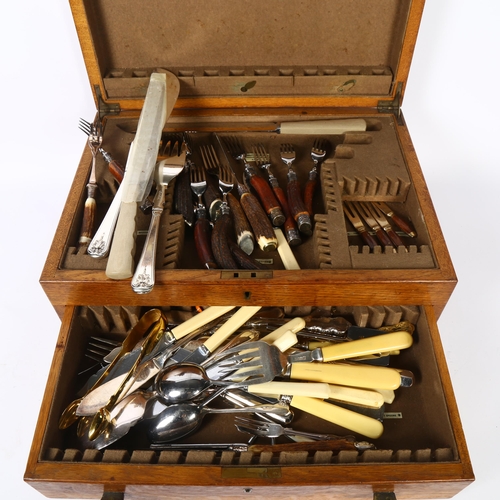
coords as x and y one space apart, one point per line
178 420
69 415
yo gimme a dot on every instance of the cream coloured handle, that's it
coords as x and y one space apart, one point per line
294 325
285 252
348 419
355 395
313 389
199 320
287 340
324 126
239 318
121 256
365 376
371 345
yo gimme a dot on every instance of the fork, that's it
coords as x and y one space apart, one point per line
318 154
94 141
144 277
222 227
257 217
273 430
263 160
297 207
266 196
202 227
116 169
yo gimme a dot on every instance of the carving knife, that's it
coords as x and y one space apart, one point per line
139 169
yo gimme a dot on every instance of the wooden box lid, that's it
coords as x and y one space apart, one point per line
263 53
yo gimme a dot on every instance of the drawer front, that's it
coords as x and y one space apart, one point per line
421 454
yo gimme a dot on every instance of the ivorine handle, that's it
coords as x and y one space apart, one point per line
239 318
371 345
357 396
312 390
121 256
348 419
366 376
324 127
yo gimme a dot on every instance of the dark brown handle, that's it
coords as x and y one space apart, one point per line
183 197
368 239
262 229
88 216
402 225
395 239
268 200
220 242
244 235
203 243
117 170
383 237
291 230
244 260
297 207
212 198
309 189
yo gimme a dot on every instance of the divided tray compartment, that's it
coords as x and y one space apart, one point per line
424 445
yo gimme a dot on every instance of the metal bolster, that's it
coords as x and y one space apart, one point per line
393 106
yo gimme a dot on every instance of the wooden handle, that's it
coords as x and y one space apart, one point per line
324 127
371 345
220 243
268 200
262 229
121 256
244 235
239 318
309 189
402 225
117 170
368 239
348 419
290 226
365 376
383 238
394 238
297 207
203 243
199 320
88 216
357 396
310 389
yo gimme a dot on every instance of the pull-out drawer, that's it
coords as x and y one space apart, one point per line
421 454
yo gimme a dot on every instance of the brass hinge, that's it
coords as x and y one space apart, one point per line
393 106
104 107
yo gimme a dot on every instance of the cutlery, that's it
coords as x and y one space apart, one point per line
367 216
399 221
115 167
144 277
138 170
94 142
262 158
379 216
318 155
297 208
256 216
264 192
352 215
202 226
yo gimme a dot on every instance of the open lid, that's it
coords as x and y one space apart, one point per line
258 53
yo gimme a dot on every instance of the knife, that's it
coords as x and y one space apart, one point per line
379 216
139 169
353 216
365 213
402 224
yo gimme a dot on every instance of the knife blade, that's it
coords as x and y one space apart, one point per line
138 172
